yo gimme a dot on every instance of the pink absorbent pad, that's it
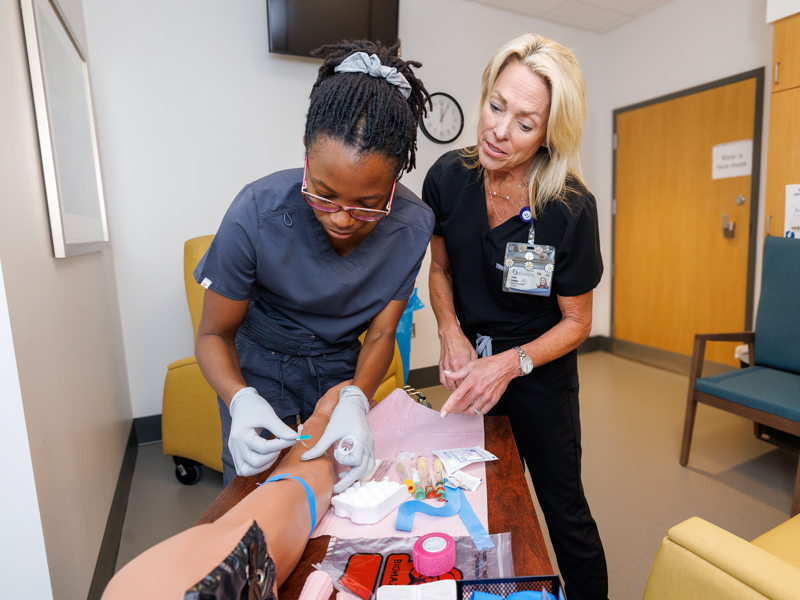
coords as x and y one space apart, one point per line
400 424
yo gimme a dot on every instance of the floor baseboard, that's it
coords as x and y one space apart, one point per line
109 548
148 429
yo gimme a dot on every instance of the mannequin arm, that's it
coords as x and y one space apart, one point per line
279 508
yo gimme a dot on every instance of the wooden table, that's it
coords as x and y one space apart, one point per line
509 503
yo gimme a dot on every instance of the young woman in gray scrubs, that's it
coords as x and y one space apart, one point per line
307 259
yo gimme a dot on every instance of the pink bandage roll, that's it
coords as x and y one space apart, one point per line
434 554
318 586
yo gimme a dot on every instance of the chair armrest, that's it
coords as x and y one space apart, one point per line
740 336
698 354
701 560
182 363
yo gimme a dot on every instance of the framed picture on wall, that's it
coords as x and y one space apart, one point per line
67 139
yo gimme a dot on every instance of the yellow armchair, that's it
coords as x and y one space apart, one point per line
700 560
190 425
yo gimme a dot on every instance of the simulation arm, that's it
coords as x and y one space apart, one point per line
281 510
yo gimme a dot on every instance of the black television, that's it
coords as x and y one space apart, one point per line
299 26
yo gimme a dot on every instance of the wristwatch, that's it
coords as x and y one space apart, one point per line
525 362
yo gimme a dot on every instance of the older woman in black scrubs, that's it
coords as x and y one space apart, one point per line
511 211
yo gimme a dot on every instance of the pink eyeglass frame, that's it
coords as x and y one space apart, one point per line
376 211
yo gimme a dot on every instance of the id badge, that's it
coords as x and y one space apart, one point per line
528 269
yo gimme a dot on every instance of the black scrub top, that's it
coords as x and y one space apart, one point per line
456 195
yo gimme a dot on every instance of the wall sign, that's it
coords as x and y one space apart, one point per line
733 159
791 222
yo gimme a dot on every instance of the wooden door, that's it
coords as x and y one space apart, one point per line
676 273
785 57
783 167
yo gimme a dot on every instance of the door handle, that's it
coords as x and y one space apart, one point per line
728 227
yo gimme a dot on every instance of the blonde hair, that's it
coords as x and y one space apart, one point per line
558 67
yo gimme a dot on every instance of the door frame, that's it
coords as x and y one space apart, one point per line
673 361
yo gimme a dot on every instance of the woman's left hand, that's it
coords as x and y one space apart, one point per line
481 383
348 422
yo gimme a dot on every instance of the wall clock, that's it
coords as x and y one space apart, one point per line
445 121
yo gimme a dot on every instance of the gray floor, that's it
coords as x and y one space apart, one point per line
632 417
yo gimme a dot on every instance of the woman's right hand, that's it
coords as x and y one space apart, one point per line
455 352
250 452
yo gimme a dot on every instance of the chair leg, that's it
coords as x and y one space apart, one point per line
688 428
796 500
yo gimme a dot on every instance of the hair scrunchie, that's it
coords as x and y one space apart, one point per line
361 62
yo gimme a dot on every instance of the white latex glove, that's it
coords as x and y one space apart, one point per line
249 414
348 420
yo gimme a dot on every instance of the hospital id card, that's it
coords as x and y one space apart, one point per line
528 269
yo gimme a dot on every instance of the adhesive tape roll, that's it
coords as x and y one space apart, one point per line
434 554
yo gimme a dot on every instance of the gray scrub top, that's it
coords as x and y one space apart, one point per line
271 249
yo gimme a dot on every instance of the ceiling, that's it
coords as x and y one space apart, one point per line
592 15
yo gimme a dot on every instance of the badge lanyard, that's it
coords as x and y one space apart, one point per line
528 268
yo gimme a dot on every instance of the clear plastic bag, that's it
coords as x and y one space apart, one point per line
359 566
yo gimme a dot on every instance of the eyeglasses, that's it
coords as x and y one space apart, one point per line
357 212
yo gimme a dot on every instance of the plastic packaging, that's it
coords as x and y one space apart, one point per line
458 458
359 566
367 503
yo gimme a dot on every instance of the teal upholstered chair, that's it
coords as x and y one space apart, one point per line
767 392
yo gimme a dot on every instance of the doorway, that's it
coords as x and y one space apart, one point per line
684 241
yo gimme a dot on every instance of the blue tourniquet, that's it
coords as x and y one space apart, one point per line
457 504
312 504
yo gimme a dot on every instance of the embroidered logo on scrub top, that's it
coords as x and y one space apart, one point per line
206 283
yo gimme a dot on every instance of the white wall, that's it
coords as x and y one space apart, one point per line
23 561
679 45
778 9
67 345
192 106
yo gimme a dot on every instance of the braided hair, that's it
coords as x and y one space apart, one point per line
366 112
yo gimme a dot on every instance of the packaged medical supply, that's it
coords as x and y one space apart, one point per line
458 458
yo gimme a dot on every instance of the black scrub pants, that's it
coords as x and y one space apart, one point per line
543 410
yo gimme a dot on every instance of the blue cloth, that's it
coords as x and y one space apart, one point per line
271 249
312 505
